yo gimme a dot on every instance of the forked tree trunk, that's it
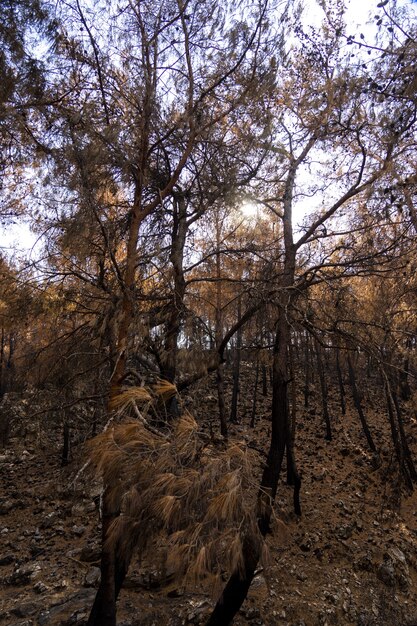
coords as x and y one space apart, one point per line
239 582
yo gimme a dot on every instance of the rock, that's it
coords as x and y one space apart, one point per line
24 575
400 565
365 563
7 559
76 604
78 617
40 587
92 578
25 610
90 553
48 521
345 532
78 530
386 573
5 507
251 613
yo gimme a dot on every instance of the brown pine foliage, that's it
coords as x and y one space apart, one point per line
182 499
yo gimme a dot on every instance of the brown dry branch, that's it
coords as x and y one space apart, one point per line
182 501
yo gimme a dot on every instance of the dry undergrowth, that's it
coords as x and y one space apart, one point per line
183 501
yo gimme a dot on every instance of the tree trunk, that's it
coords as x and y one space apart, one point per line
264 381
398 447
238 585
2 345
307 372
66 444
255 395
324 391
358 406
342 391
236 368
405 391
293 476
403 437
221 402
219 332
239 582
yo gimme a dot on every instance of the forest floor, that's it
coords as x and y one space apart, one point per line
351 559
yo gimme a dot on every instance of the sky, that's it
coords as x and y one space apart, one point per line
18 238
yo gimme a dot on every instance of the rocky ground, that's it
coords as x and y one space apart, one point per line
350 559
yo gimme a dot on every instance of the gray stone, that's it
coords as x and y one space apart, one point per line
5 507
92 578
24 575
25 610
386 573
7 559
90 553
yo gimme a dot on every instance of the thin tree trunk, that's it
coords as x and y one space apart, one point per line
403 437
264 381
66 444
2 345
405 391
307 372
219 333
236 368
255 395
239 582
398 447
342 391
293 476
358 406
324 391
220 400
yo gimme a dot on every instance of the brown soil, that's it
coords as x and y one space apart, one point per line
349 560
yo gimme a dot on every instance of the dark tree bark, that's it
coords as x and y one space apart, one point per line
255 395
176 306
293 476
236 368
66 443
404 385
2 345
219 333
358 406
324 391
239 582
398 447
238 585
307 367
264 381
342 391
408 458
